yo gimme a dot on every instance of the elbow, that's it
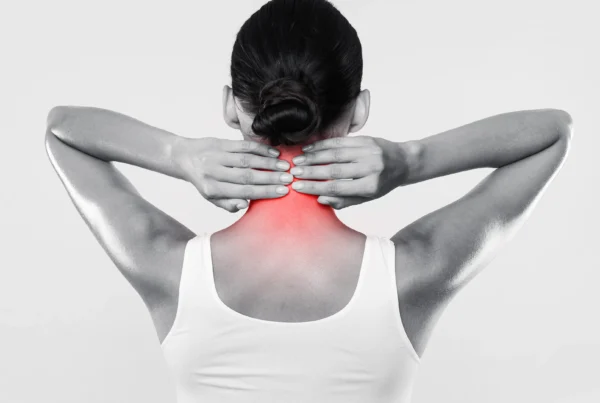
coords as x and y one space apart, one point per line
54 122
564 124
56 118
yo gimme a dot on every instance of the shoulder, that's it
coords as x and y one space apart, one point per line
411 261
159 272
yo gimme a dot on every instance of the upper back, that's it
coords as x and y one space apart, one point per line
278 282
358 353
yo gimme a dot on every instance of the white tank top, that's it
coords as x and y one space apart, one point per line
360 354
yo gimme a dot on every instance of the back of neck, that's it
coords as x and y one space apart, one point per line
293 217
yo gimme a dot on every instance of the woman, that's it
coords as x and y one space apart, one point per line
289 304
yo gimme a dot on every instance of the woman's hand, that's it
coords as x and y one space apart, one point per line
375 165
226 172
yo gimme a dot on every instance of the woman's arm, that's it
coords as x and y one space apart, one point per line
527 148
145 243
439 253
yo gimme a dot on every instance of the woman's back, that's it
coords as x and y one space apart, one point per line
270 338
267 279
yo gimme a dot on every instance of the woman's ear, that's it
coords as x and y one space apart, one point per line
360 114
229 111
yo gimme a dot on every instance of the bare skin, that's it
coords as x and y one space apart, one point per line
436 256
287 245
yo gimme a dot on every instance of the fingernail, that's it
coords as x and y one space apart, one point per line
283 165
297 185
241 206
296 171
299 160
281 190
273 152
308 147
286 178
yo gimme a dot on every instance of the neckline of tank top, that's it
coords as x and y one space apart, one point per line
208 265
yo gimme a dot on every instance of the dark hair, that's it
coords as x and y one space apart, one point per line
297 65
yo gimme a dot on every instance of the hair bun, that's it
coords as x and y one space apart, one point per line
288 113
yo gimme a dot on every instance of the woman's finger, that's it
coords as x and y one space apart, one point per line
231 205
248 176
335 155
352 170
247 146
364 187
211 189
244 160
339 142
339 203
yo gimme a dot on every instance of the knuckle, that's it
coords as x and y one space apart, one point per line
333 188
246 145
244 161
250 145
247 191
337 141
247 177
337 155
335 171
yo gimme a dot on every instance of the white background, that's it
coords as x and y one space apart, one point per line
73 330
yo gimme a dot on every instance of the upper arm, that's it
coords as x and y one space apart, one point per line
145 243
441 252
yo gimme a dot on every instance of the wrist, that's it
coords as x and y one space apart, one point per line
177 154
409 162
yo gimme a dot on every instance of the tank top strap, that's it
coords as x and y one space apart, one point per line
376 266
188 296
191 272
389 279
197 277
372 290
388 255
205 287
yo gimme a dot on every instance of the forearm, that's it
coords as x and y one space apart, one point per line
112 136
491 142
